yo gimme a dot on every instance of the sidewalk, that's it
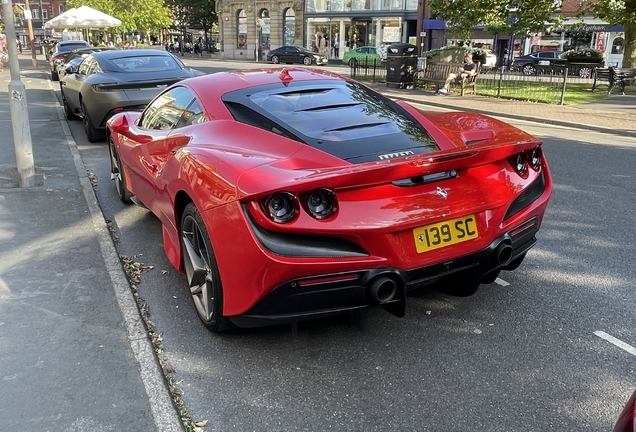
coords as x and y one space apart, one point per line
74 355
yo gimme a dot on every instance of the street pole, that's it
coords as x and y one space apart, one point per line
18 106
256 45
31 38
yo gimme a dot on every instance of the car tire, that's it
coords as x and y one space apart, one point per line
307 61
202 271
92 133
353 62
529 69
275 59
585 72
55 76
118 173
68 112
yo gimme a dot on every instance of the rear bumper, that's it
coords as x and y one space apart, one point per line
330 294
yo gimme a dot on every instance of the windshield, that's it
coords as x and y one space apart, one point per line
144 63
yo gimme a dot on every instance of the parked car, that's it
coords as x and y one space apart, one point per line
531 63
289 193
75 57
293 54
59 52
365 56
112 81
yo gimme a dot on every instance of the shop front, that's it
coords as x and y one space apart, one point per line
334 36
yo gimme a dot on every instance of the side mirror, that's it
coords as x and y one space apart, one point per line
70 70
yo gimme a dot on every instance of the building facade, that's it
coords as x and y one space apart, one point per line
329 27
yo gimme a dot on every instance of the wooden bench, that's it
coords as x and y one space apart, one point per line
613 76
621 76
438 72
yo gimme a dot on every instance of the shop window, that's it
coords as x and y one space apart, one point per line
618 45
289 27
318 37
263 28
241 29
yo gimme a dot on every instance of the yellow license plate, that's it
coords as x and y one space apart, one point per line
442 234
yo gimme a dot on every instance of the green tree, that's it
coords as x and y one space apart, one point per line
196 13
141 15
621 12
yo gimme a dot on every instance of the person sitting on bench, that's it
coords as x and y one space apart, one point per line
468 69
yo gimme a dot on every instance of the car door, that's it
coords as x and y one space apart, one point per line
71 83
178 138
147 149
293 55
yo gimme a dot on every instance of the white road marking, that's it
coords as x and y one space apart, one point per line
619 343
501 282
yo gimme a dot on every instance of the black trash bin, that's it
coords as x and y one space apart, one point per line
401 64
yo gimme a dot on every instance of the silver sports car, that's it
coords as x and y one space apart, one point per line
109 82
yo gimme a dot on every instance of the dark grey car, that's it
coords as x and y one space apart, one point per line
59 52
109 82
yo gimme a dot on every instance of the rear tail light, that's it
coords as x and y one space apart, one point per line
281 207
108 87
518 162
320 203
535 159
521 161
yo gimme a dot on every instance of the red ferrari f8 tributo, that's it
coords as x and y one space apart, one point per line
287 194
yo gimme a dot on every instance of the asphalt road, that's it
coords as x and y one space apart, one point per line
519 355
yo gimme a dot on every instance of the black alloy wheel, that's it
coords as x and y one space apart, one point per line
202 271
529 69
118 174
585 72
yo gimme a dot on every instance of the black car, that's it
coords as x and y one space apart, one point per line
529 64
111 81
293 54
59 52
75 57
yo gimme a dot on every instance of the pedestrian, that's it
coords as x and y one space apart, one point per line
468 69
19 44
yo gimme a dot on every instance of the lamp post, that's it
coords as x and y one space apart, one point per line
18 107
256 26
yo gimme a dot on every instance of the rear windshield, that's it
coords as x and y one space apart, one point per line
341 111
71 47
144 63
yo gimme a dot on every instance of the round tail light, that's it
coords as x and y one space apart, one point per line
320 203
281 207
520 164
535 159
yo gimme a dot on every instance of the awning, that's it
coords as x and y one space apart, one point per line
433 24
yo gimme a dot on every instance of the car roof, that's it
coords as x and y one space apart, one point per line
119 53
72 42
213 86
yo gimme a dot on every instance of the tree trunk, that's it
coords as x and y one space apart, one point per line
629 54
